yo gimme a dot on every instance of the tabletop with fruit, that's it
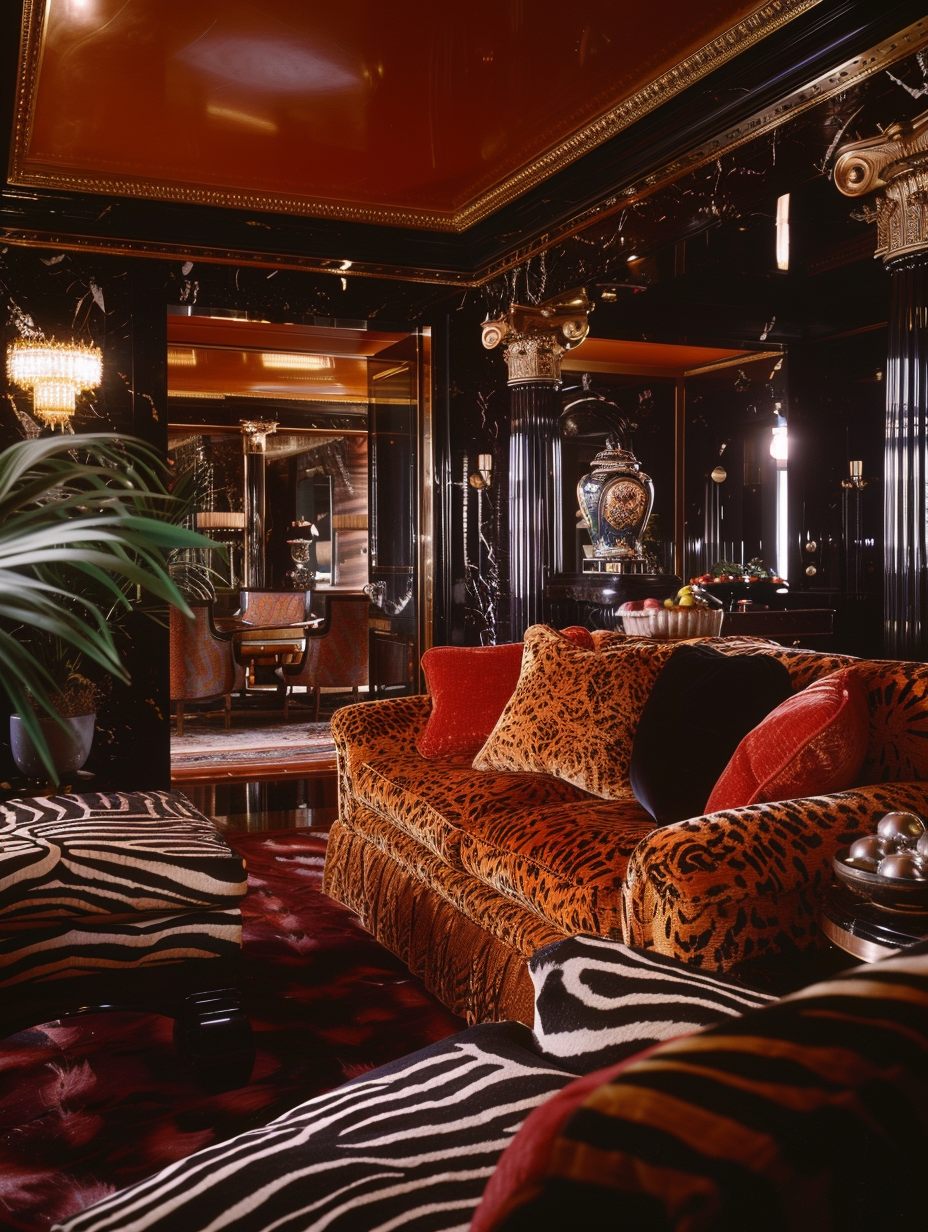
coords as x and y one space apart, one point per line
692 612
696 610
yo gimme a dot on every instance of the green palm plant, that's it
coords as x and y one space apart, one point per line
85 521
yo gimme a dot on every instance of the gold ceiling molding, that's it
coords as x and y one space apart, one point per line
764 21
876 59
688 72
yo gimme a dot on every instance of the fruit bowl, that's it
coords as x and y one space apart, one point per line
674 623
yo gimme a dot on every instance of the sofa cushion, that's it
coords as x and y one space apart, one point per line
702 704
809 1113
574 712
434 802
811 745
565 861
598 1002
119 853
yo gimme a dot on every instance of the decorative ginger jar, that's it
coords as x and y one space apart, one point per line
616 499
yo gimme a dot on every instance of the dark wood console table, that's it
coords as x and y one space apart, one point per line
595 598
786 625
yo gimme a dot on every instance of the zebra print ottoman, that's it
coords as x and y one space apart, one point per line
100 892
90 882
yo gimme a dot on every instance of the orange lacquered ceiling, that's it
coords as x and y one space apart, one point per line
403 114
211 357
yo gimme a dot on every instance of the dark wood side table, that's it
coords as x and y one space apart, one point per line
866 931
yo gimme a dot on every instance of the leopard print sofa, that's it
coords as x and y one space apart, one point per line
465 873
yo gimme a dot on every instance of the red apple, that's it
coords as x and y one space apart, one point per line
651 604
633 605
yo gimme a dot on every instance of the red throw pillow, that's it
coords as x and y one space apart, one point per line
812 744
470 685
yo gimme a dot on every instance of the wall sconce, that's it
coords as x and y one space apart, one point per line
482 477
783 232
779 445
55 373
856 478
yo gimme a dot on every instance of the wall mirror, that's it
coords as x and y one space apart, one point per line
302 449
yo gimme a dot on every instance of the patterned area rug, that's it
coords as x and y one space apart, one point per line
296 742
91 1105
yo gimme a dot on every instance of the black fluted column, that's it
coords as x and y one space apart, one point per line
535 339
254 440
889 172
906 462
535 517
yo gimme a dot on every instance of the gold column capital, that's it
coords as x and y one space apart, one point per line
536 337
255 433
894 166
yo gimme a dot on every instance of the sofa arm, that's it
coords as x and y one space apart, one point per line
720 890
381 728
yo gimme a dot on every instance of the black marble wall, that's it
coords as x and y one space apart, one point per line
117 306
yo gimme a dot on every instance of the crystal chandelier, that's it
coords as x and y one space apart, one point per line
55 372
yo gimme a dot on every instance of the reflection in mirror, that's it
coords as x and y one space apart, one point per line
328 490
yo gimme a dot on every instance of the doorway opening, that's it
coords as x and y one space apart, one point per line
300 450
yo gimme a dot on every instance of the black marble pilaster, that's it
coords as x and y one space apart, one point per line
906 461
535 518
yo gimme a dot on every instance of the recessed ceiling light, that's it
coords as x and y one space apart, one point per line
295 362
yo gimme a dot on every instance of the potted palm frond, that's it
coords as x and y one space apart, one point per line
85 522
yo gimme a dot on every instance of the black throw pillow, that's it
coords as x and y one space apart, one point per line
701 706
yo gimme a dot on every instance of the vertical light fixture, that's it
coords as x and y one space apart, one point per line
779 451
55 373
783 232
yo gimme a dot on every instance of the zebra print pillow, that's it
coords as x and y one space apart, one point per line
411 1144
598 1001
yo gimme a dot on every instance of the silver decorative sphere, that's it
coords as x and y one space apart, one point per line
907 827
904 866
870 848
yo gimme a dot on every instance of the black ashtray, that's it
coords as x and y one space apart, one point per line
893 893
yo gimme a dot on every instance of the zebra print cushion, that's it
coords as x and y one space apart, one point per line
409 1145
808 1114
598 1002
66 857
107 943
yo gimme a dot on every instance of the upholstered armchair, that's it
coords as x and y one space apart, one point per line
203 665
337 655
272 627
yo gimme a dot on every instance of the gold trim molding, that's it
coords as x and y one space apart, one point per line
536 337
745 34
851 72
894 166
839 79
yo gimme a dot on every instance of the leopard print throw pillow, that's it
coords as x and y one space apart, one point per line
574 712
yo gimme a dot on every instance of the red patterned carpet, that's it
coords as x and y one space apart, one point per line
93 1105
